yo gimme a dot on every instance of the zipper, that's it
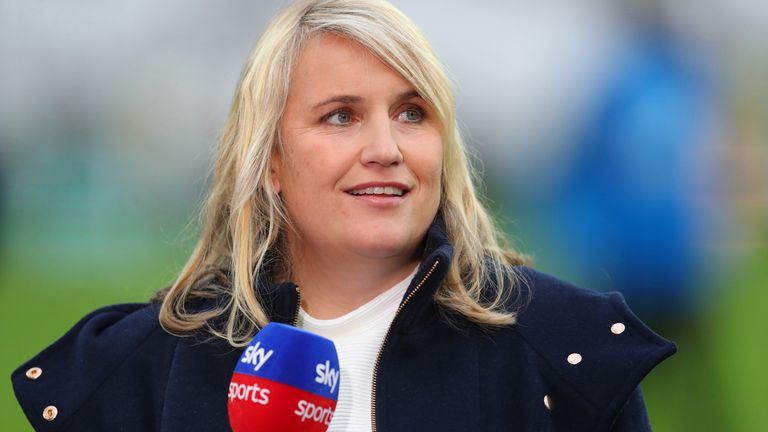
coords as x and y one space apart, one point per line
295 322
386 337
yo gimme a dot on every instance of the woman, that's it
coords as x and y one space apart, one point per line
343 202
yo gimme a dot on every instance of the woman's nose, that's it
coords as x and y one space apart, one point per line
381 146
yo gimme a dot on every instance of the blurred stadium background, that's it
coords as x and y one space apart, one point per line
623 145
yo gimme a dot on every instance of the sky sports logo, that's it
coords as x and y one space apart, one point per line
327 375
256 391
316 413
253 393
254 398
256 356
286 378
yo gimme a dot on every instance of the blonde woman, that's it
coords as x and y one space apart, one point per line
343 202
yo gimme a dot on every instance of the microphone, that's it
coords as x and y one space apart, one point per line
286 380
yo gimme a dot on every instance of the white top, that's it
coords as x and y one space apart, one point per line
358 336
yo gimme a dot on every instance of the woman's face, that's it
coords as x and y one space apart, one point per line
361 167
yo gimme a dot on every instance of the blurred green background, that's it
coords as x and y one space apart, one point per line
623 145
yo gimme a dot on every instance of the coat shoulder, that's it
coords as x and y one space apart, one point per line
598 349
113 348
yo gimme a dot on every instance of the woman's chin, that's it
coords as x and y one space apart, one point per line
384 247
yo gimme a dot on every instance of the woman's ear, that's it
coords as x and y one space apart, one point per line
275 166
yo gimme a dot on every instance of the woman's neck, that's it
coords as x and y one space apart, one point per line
333 285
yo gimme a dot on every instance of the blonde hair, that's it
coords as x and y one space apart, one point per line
244 223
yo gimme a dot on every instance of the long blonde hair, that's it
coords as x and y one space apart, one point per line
244 222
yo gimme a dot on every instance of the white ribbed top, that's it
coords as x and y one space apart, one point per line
358 336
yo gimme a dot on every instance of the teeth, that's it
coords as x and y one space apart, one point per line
378 190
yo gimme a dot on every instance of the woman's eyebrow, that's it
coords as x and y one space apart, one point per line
351 99
407 95
345 99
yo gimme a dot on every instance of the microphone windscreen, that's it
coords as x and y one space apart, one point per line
286 380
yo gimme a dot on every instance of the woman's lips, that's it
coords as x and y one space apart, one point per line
378 190
379 195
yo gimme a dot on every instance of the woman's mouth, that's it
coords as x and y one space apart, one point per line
377 190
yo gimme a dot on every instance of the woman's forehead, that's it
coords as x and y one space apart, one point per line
335 66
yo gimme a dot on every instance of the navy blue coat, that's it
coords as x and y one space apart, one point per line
573 362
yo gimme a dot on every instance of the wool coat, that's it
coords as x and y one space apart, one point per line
573 362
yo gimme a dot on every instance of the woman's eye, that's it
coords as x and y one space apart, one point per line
339 118
412 115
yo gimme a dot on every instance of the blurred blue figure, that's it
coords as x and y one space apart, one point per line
626 201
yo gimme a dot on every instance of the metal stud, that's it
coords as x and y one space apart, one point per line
574 358
50 412
548 402
618 328
34 373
